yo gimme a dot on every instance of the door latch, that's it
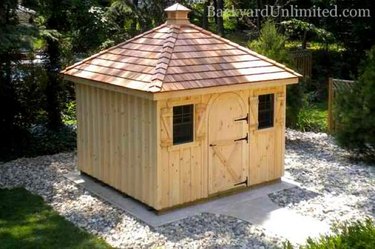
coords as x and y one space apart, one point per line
240 183
244 118
244 138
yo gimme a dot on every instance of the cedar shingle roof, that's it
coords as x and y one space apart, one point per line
177 57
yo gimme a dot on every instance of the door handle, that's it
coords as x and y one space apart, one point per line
244 138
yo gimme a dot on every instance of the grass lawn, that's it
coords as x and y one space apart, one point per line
27 222
313 117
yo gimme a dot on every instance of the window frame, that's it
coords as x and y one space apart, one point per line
191 123
267 111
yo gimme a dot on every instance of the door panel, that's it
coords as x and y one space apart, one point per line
227 157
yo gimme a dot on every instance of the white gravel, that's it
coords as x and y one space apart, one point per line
333 189
44 176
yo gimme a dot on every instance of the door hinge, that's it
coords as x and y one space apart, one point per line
244 138
244 118
240 183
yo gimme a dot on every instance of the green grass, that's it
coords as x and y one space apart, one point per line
27 222
313 117
315 45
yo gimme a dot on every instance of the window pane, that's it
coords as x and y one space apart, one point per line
265 111
183 123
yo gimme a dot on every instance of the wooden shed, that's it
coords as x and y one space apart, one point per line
179 114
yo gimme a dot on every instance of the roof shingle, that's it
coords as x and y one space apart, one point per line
177 57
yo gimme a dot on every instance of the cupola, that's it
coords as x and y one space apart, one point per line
177 14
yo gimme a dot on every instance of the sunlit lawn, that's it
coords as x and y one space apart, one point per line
27 222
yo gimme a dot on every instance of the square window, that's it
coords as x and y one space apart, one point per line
265 111
183 124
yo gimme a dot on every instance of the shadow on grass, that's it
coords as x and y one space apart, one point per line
27 222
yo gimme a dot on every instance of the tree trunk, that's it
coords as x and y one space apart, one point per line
53 87
205 14
304 40
135 20
215 6
259 21
220 20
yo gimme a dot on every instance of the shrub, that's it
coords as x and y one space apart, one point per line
271 43
39 141
355 113
47 142
69 114
355 235
312 117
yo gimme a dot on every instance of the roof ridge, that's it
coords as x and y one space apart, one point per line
113 47
164 59
251 52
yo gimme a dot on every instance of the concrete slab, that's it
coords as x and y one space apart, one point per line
253 206
281 221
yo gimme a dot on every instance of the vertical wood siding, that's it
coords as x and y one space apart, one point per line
267 145
126 142
184 173
117 140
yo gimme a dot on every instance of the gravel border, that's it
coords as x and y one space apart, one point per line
334 189
45 176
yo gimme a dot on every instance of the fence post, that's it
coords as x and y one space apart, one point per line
330 105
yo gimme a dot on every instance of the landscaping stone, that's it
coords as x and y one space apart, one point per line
44 176
331 188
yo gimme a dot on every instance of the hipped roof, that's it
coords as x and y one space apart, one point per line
174 57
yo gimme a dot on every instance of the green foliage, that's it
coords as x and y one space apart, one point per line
312 117
37 141
316 46
354 235
302 29
46 142
69 114
271 43
27 222
355 112
13 34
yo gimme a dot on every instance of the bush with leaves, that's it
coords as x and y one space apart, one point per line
355 112
271 43
351 235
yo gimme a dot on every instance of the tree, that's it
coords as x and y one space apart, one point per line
205 14
302 29
355 112
57 20
15 39
271 43
220 19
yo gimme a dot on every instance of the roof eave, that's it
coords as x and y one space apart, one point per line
225 88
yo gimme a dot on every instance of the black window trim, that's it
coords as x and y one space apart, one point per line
191 123
271 109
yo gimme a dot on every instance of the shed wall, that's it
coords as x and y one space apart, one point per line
117 140
184 174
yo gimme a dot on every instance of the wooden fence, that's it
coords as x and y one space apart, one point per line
334 87
303 62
